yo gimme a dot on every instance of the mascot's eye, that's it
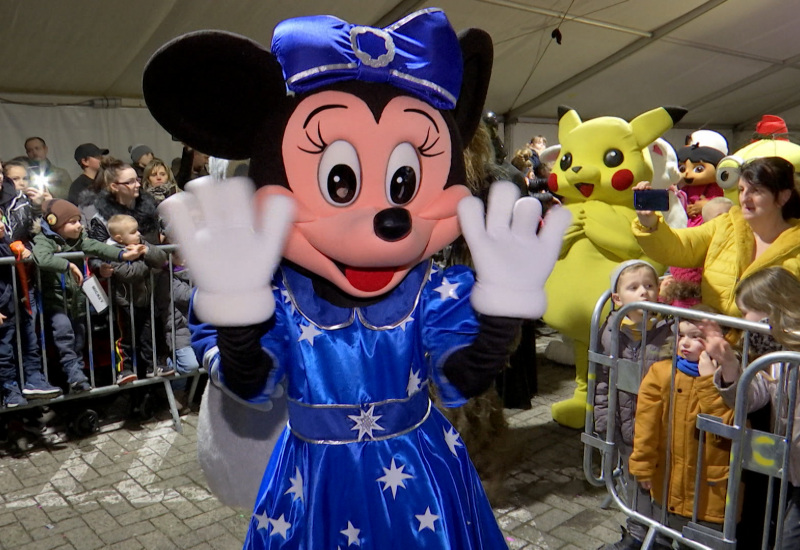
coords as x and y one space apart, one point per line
681 168
613 158
339 173
566 161
699 169
728 176
402 174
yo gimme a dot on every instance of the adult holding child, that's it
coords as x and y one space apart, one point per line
763 231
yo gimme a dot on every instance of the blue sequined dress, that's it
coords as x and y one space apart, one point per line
366 461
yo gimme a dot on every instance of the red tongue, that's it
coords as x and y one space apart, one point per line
368 280
585 189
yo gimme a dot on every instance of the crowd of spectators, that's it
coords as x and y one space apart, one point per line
109 212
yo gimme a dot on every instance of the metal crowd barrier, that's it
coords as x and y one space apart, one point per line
108 314
758 451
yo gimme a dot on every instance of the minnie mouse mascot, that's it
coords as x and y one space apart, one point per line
322 277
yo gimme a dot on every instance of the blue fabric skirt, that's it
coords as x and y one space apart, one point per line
414 490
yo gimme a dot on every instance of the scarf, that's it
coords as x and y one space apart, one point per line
688 367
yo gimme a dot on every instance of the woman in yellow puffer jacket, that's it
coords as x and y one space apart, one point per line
763 231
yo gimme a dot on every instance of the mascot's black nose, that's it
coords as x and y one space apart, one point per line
392 224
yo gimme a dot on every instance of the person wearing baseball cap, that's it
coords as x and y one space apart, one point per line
87 155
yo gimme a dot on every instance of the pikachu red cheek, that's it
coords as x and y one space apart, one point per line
552 182
622 179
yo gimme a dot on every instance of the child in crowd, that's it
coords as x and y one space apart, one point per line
770 296
176 320
684 291
632 281
654 454
35 385
60 230
716 207
132 289
16 215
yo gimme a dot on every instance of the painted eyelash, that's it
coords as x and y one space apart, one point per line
318 147
424 148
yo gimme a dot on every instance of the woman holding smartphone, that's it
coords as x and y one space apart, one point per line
763 231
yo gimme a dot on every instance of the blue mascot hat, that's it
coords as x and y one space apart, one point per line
419 54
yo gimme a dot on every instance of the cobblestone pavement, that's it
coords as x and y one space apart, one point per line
136 486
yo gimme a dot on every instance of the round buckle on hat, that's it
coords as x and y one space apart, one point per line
367 58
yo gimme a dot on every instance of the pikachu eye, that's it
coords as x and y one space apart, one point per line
566 161
613 158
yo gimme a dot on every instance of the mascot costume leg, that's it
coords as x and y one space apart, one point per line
321 279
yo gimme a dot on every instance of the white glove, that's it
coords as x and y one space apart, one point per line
231 258
511 261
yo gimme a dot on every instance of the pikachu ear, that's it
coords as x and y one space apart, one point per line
568 120
649 126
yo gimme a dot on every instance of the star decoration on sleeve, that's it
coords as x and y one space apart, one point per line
287 299
308 333
297 485
451 438
394 477
405 321
263 520
426 520
414 383
352 534
447 289
280 526
366 422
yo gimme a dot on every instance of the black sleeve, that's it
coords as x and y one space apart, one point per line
97 231
184 173
246 365
473 369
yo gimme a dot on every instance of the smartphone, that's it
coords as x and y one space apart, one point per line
651 199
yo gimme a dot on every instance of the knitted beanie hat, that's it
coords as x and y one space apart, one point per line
625 265
138 151
57 212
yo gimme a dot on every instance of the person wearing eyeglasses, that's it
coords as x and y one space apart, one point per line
121 194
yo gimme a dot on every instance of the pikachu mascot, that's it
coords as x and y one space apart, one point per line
600 161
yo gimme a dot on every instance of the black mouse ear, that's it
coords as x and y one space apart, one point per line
214 91
478 54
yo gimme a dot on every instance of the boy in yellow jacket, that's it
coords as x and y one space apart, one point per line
693 393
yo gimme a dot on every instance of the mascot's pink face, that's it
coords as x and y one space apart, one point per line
370 194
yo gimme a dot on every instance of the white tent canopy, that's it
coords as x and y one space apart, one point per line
727 61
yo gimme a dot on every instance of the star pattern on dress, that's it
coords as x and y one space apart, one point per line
405 321
263 520
447 289
352 534
414 383
426 520
366 422
394 477
433 270
287 299
309 332
297 485
280 526
451 438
